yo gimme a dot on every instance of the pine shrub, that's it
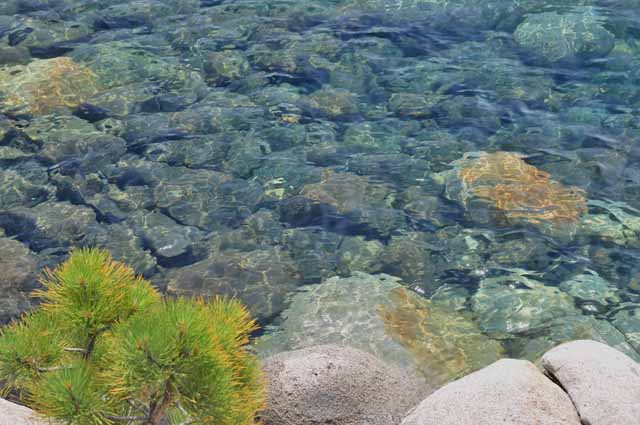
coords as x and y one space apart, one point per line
104 348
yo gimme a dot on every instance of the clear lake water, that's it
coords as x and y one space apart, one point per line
440 182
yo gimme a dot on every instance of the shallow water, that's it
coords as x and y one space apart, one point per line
484 153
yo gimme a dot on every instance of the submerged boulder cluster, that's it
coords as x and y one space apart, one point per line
445 181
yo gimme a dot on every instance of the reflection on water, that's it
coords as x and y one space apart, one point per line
484 154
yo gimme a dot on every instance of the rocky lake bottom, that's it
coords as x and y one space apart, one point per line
442 183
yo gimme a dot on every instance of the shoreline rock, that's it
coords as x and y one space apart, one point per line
338 385
506 392
14 414
603 383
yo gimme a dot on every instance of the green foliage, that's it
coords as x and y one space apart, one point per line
71 394
28 348
105 348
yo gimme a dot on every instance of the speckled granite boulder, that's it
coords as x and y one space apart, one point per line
14 414
337 385
603 383
509 391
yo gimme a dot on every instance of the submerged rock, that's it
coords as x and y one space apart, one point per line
69 142
592 291
226 66
16 191
451 15
332 103
612 222
356 198
120 63
49 224
46 85
575 36
141 12
19 276
46 36
376 314
206 199
124 245
340 385
569 328
262 279
507 305
166 239
628 322
501 187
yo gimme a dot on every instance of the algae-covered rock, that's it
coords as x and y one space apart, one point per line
225 66
284 174
451 15
245 155
515 303
394 168
552 37
314 250
571 328
592 291
208 151
166 239
120 63
359 199
49 224
372 137
359 254
410 105
408 256
612 222
628 322
141 12
376 314
220 111
262 279
16 191
501 187
204 198
46 85
45 35
125 246
68 139
332 103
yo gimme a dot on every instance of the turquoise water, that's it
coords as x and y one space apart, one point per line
483 155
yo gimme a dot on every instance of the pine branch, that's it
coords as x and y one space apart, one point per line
74 350
52 369
141 408
185 413
127 418
158 410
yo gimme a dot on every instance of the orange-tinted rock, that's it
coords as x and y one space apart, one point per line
516 192
45 85
444 345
